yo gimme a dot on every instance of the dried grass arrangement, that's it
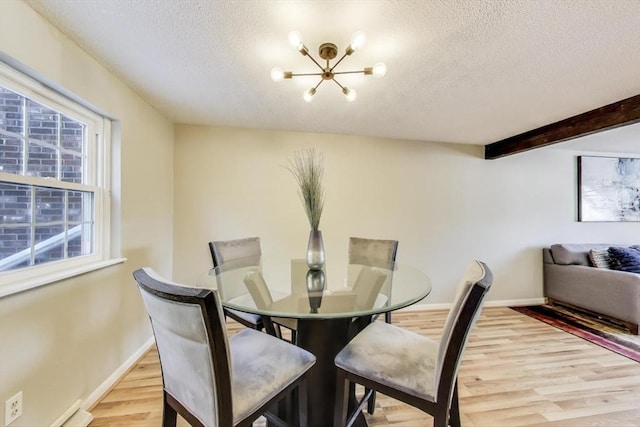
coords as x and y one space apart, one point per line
307 167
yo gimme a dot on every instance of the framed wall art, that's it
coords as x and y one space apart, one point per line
608 188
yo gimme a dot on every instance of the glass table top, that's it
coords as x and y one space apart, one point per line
281 287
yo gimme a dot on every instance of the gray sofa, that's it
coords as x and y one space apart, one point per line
571 279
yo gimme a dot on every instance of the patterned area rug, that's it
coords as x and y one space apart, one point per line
593 329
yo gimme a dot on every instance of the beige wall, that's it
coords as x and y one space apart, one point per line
443 202
60 342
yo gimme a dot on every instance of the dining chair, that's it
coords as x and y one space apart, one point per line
257 287
208 378
374 253
249 250
409 367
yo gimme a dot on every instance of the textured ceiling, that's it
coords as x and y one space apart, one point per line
466 71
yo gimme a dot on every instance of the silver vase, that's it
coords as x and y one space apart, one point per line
315 251
315 288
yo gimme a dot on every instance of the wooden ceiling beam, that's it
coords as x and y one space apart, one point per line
621 113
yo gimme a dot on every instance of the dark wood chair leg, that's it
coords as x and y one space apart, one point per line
454 413
371 404
270 327
387 317
169 415
440 417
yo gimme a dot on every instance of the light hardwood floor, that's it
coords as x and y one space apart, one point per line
516 371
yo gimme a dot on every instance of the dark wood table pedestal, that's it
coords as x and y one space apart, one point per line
325 338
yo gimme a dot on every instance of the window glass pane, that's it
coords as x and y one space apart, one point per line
15 203
11 155
42 123
42 161
49 242
72 141
71 168
49 205
74 206
80 240
11 114
72 134
15 244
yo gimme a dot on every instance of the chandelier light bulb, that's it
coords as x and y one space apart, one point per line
357 40
350 94
277 75
295 38
379 69
308 94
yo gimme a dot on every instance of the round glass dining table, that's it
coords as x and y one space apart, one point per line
326 308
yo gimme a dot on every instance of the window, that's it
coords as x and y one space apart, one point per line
54 185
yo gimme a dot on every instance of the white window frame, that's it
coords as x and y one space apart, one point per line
98 165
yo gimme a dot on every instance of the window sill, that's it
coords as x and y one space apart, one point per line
46 279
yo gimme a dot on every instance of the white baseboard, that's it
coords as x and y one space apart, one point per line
73 417
81 418
103 388
67 414
501 303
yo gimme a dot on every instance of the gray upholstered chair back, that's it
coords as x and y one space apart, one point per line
236 258
466 308
375 253
258 289
372 252
189 332
223 251
368 285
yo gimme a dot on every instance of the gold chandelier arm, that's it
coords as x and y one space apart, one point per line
341 87
339 60
305 74
351 72
319 83
315 62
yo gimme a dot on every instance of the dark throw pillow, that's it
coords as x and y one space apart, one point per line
625 259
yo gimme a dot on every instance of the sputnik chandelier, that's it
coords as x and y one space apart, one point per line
328 51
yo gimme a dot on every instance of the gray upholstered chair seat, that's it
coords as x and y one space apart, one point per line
261 367
394 357
249 317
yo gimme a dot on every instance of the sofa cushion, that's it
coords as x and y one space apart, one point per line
577 254
625 259
600 258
